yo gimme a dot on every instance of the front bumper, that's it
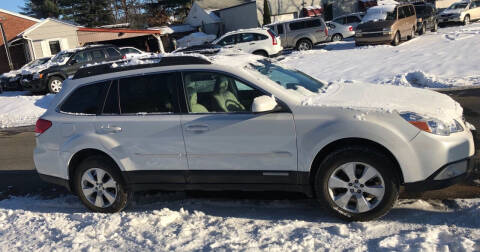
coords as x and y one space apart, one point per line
450 19
33 85
373 38
448 175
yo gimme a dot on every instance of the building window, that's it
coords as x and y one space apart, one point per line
54 47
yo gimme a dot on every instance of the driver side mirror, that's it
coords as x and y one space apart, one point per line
264 103
73 62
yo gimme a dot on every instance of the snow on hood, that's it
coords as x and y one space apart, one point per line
453 11
387 98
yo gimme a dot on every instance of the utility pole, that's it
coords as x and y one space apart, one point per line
5 43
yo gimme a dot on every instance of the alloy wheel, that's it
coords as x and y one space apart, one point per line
99 187
356 187
304 46
55 85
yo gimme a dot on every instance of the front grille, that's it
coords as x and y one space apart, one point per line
372 35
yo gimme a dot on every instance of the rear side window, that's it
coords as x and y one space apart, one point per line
98 55
305 24
280 28
112 52
112 106
352 19
260 36
149 94
246 37
86 100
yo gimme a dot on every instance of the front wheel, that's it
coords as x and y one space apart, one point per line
423 30
99 186
396 39
466 20
357 183
55 84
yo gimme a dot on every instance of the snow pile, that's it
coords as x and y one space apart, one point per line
174 28
388 98
196 38
443 62
182 224
18 109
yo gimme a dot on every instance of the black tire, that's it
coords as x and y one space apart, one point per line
122 194
52 84
396 39
304 45
435 27
441 25
261 53
423 30
337 37
466 20
365 155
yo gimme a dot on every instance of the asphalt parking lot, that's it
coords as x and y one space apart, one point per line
18 176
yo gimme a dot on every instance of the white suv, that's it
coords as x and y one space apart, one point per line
259 41
237 123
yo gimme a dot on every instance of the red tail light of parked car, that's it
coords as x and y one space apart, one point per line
42 125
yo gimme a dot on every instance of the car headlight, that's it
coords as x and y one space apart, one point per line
37 76
431 125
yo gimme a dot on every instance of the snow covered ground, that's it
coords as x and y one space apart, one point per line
21 109
447 58
173 222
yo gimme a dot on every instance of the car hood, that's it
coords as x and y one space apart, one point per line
388 99
453 11
375 25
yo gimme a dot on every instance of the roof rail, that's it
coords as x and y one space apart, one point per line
123 65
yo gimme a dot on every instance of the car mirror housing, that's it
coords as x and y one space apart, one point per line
264 103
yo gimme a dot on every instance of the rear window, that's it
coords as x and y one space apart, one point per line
149 94
86 100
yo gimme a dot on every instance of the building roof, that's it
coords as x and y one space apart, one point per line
35 26
223 4
20 15
114 30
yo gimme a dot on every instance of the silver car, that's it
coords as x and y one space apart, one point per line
338 32
352 19
302 33
193 123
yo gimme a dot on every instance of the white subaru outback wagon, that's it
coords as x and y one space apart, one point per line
246 123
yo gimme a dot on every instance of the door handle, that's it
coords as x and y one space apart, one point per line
109 129
197 127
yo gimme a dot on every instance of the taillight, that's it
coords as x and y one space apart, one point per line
124 56
42 126
326 31
274 40
350 28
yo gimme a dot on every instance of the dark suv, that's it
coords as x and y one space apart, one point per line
426 17
66 64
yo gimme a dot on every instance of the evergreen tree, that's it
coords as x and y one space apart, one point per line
42 8
89 13
159 11
266 13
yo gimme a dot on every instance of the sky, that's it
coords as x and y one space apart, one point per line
11 5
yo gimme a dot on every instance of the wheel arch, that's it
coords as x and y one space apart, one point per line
335 145
261 50
83 154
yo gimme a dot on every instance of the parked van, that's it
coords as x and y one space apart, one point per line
387 24
301 33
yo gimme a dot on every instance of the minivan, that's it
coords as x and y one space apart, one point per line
301 33
387 24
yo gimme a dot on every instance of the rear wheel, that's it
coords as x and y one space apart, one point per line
99 185
55 84
304 45
337 37
466 20
261 53
396 39
357 183
435 27
423 30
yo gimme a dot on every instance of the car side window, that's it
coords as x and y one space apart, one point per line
209 92
260 36
149 94
113 52
83 57
412 10
112 105
246 37
86 100
98 55
352 19
280 29
296 25
229 40
401 13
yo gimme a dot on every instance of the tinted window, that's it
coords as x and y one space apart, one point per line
229 40
113 53
246 37
260 37
86 100
111 103
149 94
280 28
98 55
352 19
296 26
83 57
401 13
412 10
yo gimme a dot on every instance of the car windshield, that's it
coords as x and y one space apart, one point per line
289 78
380 13
456 6
62 57
36 62
420 9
